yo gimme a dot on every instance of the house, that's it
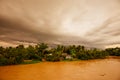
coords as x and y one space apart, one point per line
68 57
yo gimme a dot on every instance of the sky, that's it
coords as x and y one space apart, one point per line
93 23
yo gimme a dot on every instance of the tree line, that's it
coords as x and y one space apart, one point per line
41 52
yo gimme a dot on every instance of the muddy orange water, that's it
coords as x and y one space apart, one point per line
106 69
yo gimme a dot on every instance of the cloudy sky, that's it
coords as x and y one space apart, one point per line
93 23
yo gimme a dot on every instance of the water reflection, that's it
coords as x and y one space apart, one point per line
106 69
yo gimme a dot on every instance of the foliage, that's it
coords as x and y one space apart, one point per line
41 52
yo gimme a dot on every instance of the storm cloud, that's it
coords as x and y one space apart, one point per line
93 23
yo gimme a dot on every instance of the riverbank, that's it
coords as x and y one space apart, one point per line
36 61
41 52
75 60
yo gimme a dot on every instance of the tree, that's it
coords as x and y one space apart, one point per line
40 49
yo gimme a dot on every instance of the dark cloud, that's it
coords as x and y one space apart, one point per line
15 30
108 33
84 22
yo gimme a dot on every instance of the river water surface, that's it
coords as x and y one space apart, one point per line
105 69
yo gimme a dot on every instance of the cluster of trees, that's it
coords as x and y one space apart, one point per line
41 52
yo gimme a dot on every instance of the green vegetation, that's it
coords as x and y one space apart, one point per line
41 52
30 62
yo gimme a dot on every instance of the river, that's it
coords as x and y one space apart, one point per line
104 69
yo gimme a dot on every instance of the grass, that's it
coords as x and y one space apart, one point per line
30 62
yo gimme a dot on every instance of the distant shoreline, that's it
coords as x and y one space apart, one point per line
34 62
42 53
